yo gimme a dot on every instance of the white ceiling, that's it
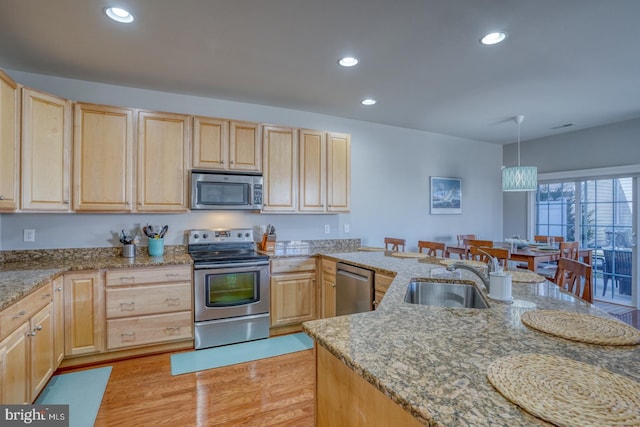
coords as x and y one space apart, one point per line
565 61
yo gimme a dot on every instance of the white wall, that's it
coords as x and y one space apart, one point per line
390 179
617 144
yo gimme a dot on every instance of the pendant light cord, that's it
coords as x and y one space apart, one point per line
518 120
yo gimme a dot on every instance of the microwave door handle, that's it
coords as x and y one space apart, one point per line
250 195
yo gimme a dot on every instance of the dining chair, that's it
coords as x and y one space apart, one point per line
397 245
460 249
545 239
482 254
478 243
575 277
432 248
569 250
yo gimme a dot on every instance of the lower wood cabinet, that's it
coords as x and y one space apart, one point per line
293 292
148 306
382 283
84 313
328 284
27 358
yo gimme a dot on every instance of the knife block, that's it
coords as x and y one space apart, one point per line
268 242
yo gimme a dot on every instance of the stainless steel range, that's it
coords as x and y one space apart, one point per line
231 287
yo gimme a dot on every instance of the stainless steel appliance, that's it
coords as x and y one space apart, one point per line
354 289
230 191
231 287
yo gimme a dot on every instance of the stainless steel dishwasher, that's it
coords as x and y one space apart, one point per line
354 289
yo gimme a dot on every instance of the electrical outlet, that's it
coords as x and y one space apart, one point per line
346 229
327 229
29 235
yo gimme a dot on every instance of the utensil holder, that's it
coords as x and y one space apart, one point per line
268 242
156 247
128 251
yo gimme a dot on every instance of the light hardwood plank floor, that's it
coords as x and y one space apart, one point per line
278 391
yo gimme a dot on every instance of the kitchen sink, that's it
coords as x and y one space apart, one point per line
458 295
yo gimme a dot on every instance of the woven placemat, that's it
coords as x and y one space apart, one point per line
582 327
409 255
370 249
525 276
566 392
469 262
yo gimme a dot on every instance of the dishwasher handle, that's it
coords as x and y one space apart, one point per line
354 272
357 277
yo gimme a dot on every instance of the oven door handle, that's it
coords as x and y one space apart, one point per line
231 265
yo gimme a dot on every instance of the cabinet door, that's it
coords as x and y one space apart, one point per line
41 350
103 158
14 351
338 172
210 143
46 152
9 143
58 319
84 313
328 288
163 160
245 151
293 298
280 169
312 180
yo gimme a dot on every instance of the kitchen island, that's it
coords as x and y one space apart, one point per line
432 361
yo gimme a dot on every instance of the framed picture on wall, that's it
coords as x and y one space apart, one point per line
446 195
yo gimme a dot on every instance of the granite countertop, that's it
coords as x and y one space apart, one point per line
20 278
432 361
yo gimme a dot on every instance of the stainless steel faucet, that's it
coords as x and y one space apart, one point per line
492 265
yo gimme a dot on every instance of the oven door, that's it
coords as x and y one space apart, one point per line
231 290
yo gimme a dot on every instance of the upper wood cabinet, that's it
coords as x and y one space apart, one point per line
9 143
313 171
280 168
338 172
46 152
163 162
103 158
222 145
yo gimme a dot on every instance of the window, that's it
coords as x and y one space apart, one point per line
555 210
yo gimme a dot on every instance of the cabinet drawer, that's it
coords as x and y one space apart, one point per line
289 265
148 299
158 328
22 310
148 275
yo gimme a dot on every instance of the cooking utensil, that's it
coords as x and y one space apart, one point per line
164 231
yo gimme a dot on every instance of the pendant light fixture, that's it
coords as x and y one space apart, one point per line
519 178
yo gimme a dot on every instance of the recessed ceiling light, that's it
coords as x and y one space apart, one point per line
493 38
119 15
348 61
368 101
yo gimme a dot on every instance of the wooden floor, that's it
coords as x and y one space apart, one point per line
277 391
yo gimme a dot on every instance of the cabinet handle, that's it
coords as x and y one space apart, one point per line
20 314
59 289
333 285
66 202
221 162
127 279
127 203
1 197
128 336
172 301
232 162
172 275
45 296
172 330
31 334
38 328
127 306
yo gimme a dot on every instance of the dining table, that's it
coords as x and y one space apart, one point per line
531 255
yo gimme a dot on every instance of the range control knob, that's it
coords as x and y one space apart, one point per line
239 235
196 236
206 236
246 234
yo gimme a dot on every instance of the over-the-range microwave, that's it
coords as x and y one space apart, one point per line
230 191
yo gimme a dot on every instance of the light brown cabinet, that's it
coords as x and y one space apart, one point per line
103 158
9 143
224 145
280 168
46 152
381 284
58 319
163 162
313 171
328 283
148 306
293 292
338 172
27 358
84 313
